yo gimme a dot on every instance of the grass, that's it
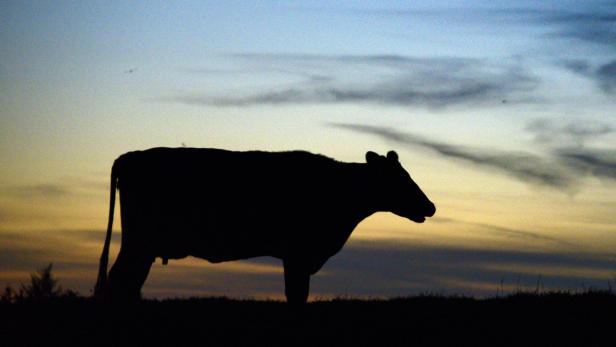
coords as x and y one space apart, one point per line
42 313
525 318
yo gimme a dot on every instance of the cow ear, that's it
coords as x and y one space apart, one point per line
372 158
391 155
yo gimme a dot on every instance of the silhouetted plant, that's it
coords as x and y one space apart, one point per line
42 286
8 295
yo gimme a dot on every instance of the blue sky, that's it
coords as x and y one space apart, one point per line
503 112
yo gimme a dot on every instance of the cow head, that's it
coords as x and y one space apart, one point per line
395 191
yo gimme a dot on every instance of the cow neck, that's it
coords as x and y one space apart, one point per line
361 191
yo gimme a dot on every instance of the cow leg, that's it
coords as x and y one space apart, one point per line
296 282
132 266
127 275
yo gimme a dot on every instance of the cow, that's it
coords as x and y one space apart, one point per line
223 205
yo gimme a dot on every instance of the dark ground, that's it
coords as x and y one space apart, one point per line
554 319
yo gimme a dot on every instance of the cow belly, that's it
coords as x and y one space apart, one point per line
215 236
175 226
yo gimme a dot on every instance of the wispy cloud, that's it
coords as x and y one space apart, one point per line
599 163
69 186
523 166
590 22
604 75
397 268
562 167
46 190
568 142
577 132
380 79
528 236
524 234
596 25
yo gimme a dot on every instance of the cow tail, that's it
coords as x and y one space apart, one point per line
101 282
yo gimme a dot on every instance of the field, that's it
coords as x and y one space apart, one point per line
579 319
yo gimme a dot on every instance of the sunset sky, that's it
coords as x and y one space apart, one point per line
504 112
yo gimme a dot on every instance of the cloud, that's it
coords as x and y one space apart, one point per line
528 236
577 65
523 166
391 267
568 140
587 21
599 163
70 186
593 25
550 131
522 234
381 79
604 74
47 190
562 167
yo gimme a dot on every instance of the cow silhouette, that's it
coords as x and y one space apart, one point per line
222 205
